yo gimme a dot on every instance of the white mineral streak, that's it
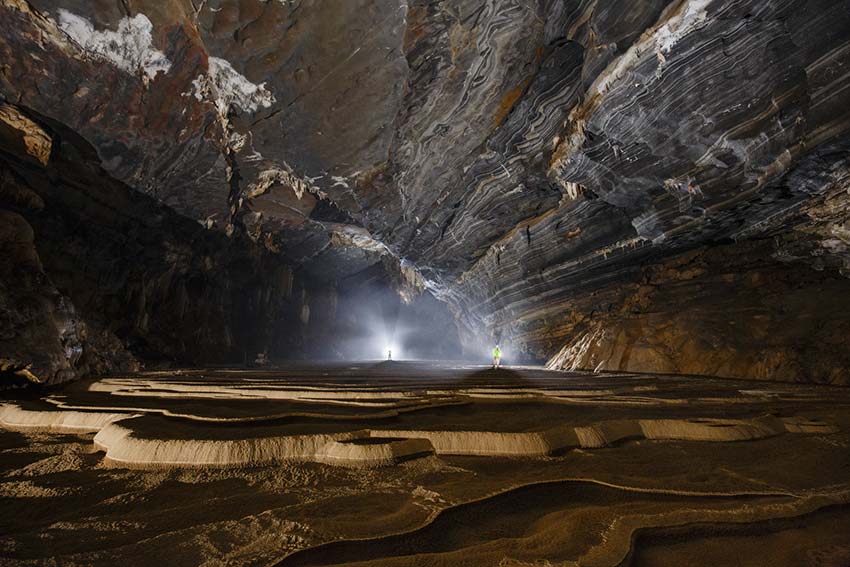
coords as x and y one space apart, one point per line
129 47
340 181
573 190
690 16
662 39
347 235
224 86
573 355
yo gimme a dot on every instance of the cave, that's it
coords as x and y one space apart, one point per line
425 282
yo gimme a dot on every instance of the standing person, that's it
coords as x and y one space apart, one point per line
497 357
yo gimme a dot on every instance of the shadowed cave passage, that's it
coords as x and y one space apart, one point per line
256 257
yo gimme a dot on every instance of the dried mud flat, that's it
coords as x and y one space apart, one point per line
425 464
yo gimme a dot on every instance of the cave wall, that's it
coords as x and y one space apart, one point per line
730 311
37 331
522 159
636 131
98 277
768 304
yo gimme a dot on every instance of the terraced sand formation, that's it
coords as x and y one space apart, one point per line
128 438
420 464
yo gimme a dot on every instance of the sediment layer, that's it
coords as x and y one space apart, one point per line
148 434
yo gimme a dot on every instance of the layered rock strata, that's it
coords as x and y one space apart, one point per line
519 160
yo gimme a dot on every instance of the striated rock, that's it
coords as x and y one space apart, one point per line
520 161
728 311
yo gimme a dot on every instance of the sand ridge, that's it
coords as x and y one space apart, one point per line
125 444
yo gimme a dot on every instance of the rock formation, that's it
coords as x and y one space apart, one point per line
126 278
150 421
658 185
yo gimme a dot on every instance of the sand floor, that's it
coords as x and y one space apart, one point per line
425 464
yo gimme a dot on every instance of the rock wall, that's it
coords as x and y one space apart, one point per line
730 311
97 277
520 158
770 304
37 331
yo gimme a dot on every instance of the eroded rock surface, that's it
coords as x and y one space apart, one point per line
547 168
96 276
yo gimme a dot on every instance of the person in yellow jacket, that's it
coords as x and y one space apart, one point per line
497 357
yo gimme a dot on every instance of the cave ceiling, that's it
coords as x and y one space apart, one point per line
496 149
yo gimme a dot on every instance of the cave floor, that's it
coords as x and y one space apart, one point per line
410 463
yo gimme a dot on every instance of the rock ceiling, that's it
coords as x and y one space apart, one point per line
506 152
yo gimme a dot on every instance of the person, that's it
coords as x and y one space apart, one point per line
389 354
497 357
